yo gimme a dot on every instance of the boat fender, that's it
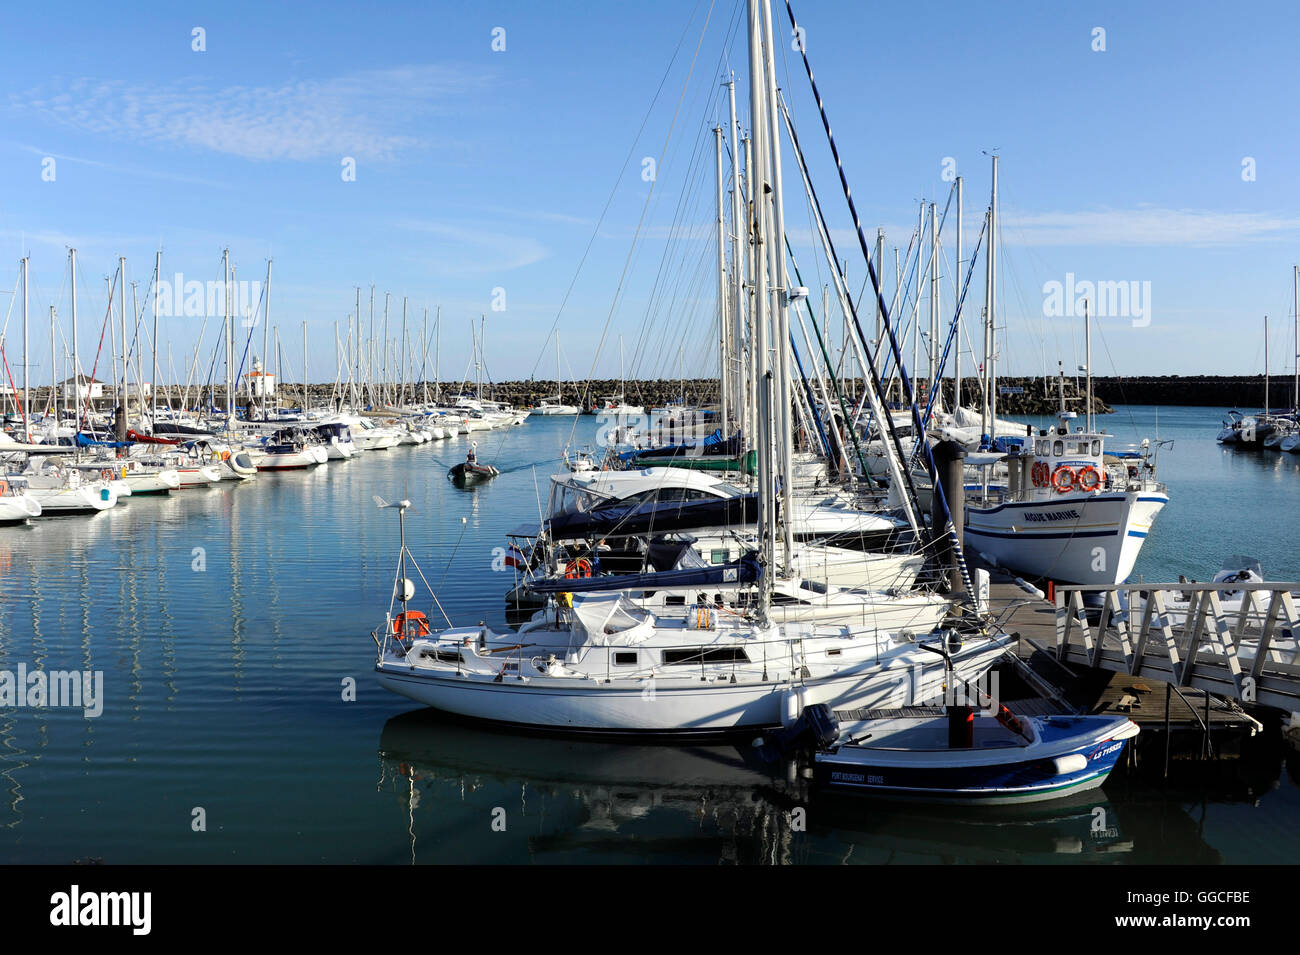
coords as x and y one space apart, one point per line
791 706
1072 763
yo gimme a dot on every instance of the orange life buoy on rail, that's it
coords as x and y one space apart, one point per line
1087 479
1063 479
579 568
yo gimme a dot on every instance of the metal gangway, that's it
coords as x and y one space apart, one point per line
1237 640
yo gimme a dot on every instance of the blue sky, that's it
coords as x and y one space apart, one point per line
478 170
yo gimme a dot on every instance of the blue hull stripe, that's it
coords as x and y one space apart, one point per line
1033 535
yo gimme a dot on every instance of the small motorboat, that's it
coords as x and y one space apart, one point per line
960 756
470 472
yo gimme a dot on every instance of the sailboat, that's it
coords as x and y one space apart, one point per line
557 407
599 664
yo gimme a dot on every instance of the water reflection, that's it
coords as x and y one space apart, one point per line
567 800
578 800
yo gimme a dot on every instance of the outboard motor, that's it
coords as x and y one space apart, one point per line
816 728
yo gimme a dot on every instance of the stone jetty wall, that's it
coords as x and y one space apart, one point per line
1017 395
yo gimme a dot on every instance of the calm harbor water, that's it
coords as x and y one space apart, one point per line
228 621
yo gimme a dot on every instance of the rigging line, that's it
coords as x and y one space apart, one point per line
644 209
887 424
880 299
609 200
948 345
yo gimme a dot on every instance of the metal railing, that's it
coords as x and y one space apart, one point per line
1184 635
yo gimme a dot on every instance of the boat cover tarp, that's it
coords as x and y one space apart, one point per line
638 518
747 570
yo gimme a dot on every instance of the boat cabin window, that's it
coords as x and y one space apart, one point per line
719 556
698 655
625 658
816 586
675 600
1058 448
1096 448
1083 447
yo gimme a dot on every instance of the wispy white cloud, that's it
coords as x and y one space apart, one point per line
1142 226
1145 225
367 115
475 249
140 171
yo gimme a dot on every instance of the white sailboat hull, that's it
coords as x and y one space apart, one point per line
682 705
18 507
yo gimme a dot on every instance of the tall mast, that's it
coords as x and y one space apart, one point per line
383 359
991 358
55 391
739 395
756 165
230 347
781 290
305 400
934 301
121 304
1295 308
139 379
724 369
958 279
1087 358
369 370
424 352
354 373
153 375
76 364
266 322
1266 408
27 397
402 376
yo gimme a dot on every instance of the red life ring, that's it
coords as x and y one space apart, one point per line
579 568
1088 479
1063 479
1040 474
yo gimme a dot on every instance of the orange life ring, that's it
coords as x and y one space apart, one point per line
1063 479
1042 474
1087 479
579 568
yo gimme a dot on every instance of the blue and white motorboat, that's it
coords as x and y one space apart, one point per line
961 756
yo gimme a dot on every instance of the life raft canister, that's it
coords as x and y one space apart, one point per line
412 623
1063 479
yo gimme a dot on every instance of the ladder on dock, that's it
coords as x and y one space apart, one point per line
1182 634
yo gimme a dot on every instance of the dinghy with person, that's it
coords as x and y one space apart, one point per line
470 472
